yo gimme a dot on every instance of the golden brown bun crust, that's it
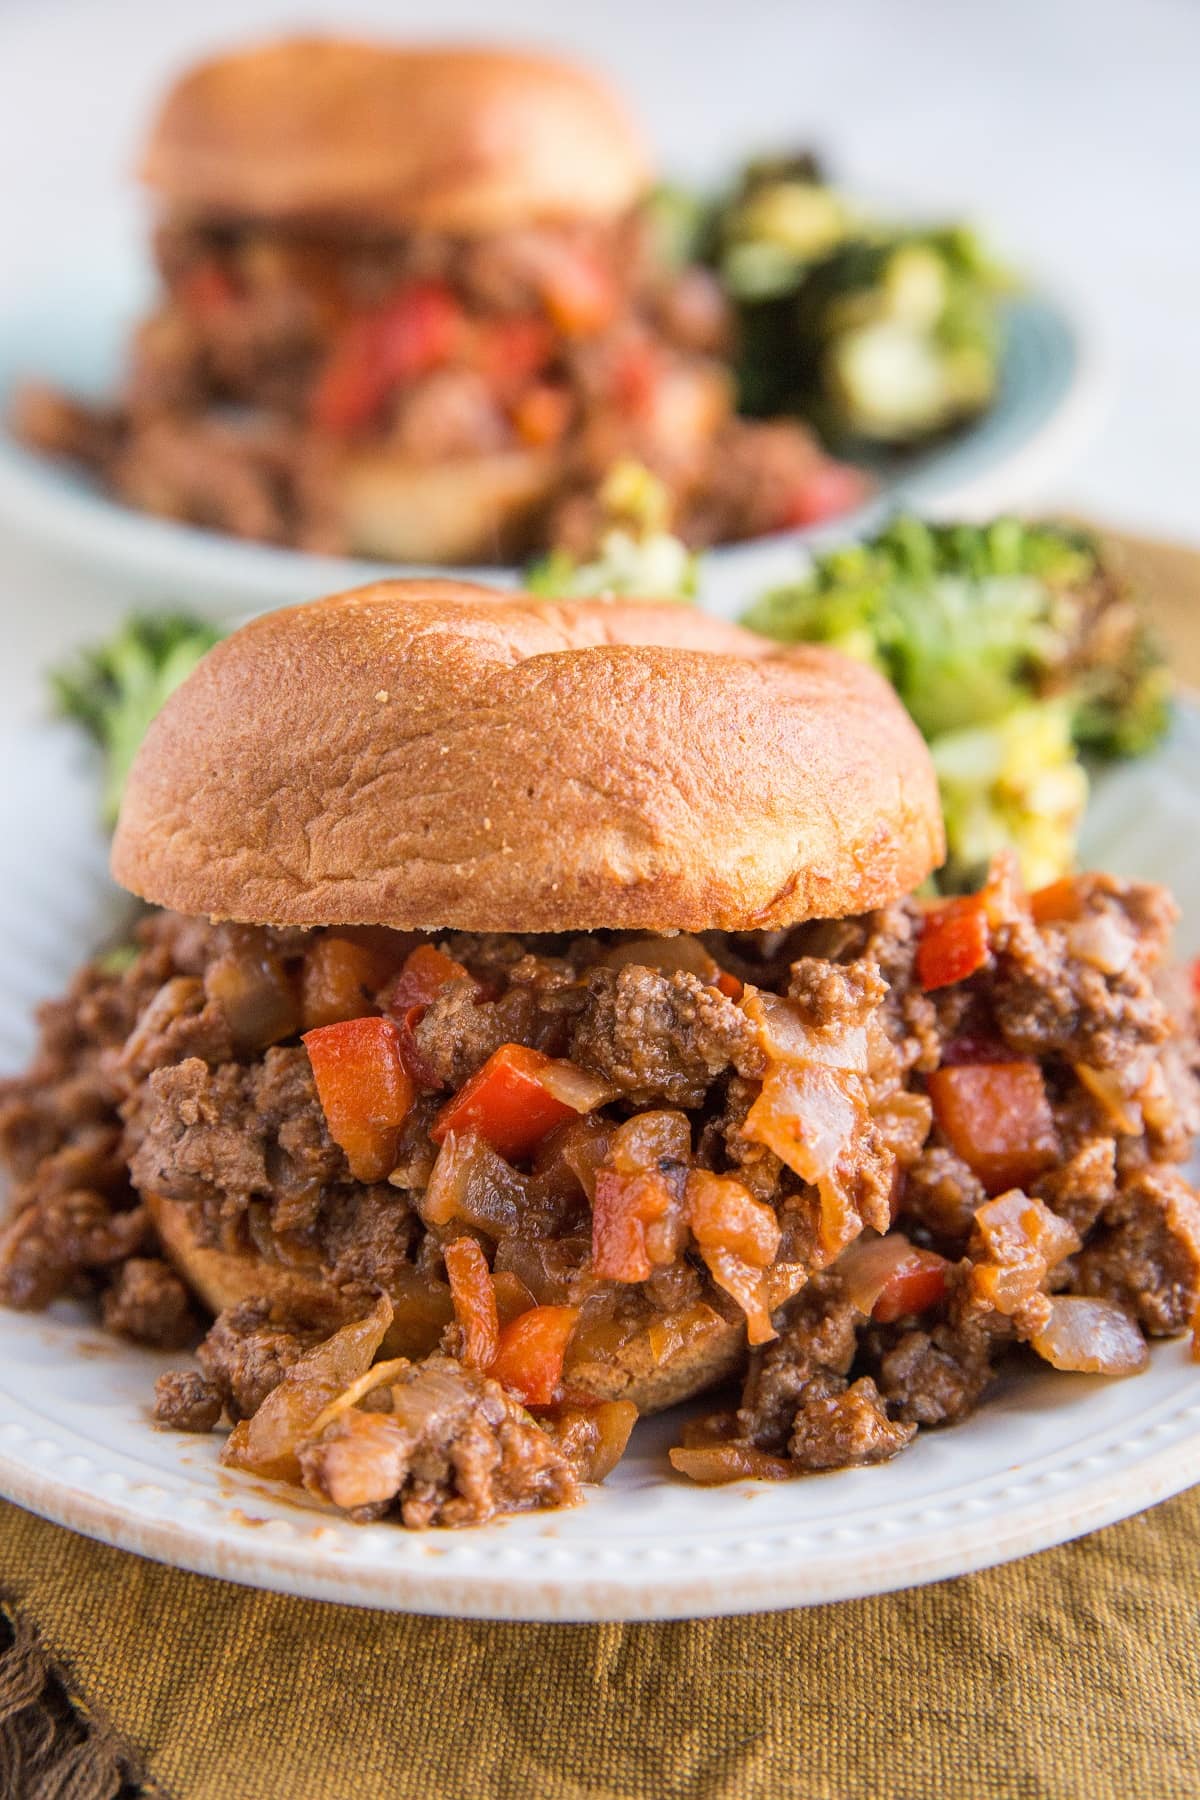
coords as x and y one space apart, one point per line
441 138
224 1278
432 755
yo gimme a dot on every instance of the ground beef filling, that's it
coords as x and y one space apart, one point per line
273 350
878 1286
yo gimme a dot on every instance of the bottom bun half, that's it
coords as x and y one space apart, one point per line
638 1367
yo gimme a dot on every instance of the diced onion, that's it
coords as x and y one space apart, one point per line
1091 1337
1101 940
667 954
377 1376
748 1286
787 1036
713 1464
576 1087
868 1264
1123 1113
471 1182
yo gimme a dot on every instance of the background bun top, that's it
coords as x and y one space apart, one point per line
427 754
453 139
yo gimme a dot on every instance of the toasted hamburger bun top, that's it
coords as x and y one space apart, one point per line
433 755
444 138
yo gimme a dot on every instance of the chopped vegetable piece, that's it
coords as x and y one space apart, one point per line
713 1464
953 943
364 1089
512 1296
577 1088
412 334
1055 903
529 1362
269 1442
638 1218
633 551
542 413
471 1182
889 1277
812 1117
593 1437
1091 1337
748 1286
724 1215
997 1117
340 981
739 1239
1021 1240
579 294
627 1211
505 1102
427 970
474 1301
914 1287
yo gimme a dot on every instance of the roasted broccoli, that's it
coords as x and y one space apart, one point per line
634 552
1014 647
114 689
879 332
891 336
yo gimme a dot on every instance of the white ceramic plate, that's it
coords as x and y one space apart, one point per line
72 333
1047 1457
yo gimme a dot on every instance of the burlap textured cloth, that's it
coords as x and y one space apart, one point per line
1073 1675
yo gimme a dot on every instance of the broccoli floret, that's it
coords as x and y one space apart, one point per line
1012 646
635 553
114 689
1014 783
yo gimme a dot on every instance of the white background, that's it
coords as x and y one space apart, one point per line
1071 129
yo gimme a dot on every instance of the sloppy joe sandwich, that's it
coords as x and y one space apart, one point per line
412 308
534 1027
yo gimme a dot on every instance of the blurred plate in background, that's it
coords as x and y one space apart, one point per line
72 333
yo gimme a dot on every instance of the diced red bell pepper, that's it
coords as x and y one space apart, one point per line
364 1089
579 294
729 985
541 414
427 970
1056 904
828 491
954 942
375 352
474 1296
529 1362
625 1209
915 1285
998 1118
351 387
509 353
505 1103
636 378
1195 973
418 330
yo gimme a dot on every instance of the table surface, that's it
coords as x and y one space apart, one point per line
1069 126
